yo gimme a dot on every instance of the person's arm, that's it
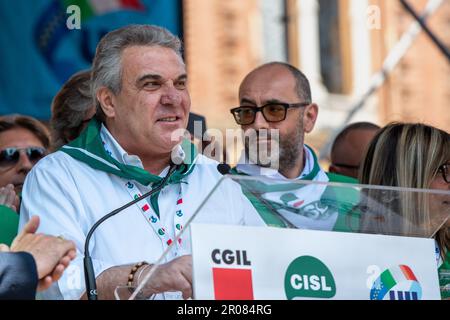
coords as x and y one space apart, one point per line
18 275
175 275
49 193
51 255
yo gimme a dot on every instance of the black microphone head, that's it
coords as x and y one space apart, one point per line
223 168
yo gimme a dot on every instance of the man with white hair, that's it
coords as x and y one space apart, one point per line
140 88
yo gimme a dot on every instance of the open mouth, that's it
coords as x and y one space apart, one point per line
169 119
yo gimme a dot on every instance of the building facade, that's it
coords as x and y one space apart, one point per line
338 44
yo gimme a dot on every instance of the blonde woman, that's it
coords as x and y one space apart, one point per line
414 155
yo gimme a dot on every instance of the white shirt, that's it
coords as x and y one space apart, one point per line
70 196
246 166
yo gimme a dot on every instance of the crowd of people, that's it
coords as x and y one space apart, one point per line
111 140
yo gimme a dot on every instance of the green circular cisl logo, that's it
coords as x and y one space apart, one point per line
308 277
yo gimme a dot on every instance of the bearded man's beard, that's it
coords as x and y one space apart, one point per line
276 152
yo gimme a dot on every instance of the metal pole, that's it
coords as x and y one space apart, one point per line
379 77
425 28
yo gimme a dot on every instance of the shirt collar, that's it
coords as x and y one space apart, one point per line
116 151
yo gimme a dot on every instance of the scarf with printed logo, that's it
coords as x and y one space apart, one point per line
88 148
283 203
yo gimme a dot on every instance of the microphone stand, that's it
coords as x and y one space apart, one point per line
89 275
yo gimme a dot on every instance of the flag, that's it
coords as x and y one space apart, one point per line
39 52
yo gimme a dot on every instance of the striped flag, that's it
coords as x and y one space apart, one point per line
99 7
41 38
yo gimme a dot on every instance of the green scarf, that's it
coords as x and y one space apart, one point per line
444 276
338 199
88 148
9 223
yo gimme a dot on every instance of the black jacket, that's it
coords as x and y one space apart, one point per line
18 276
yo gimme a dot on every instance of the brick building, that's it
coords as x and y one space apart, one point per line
338 44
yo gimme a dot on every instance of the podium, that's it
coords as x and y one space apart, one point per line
315 240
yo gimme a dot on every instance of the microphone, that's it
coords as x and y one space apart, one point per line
89 275
223 168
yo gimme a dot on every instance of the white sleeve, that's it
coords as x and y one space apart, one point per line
246 212
51 194
251 215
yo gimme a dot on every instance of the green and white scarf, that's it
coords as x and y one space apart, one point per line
284 203
88 148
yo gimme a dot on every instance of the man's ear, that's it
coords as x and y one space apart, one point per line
106 99
309 117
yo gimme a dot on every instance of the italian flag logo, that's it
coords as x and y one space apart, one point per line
396 283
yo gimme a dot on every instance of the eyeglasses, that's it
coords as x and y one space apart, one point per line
10 156
444 169
272 112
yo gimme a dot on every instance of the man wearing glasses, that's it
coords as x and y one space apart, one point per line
23 142
277 96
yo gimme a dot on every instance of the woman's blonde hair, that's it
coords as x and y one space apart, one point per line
408 155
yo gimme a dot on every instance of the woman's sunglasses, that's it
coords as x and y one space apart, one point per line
10 156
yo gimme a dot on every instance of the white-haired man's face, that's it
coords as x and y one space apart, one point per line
153 102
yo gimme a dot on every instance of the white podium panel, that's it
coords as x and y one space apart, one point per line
231 262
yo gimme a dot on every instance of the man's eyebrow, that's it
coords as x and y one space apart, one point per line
274 101
246 100
148 77
157 77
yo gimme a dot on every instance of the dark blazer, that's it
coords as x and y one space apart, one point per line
18 276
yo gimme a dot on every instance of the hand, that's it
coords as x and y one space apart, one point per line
175 275
9 198
51 254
